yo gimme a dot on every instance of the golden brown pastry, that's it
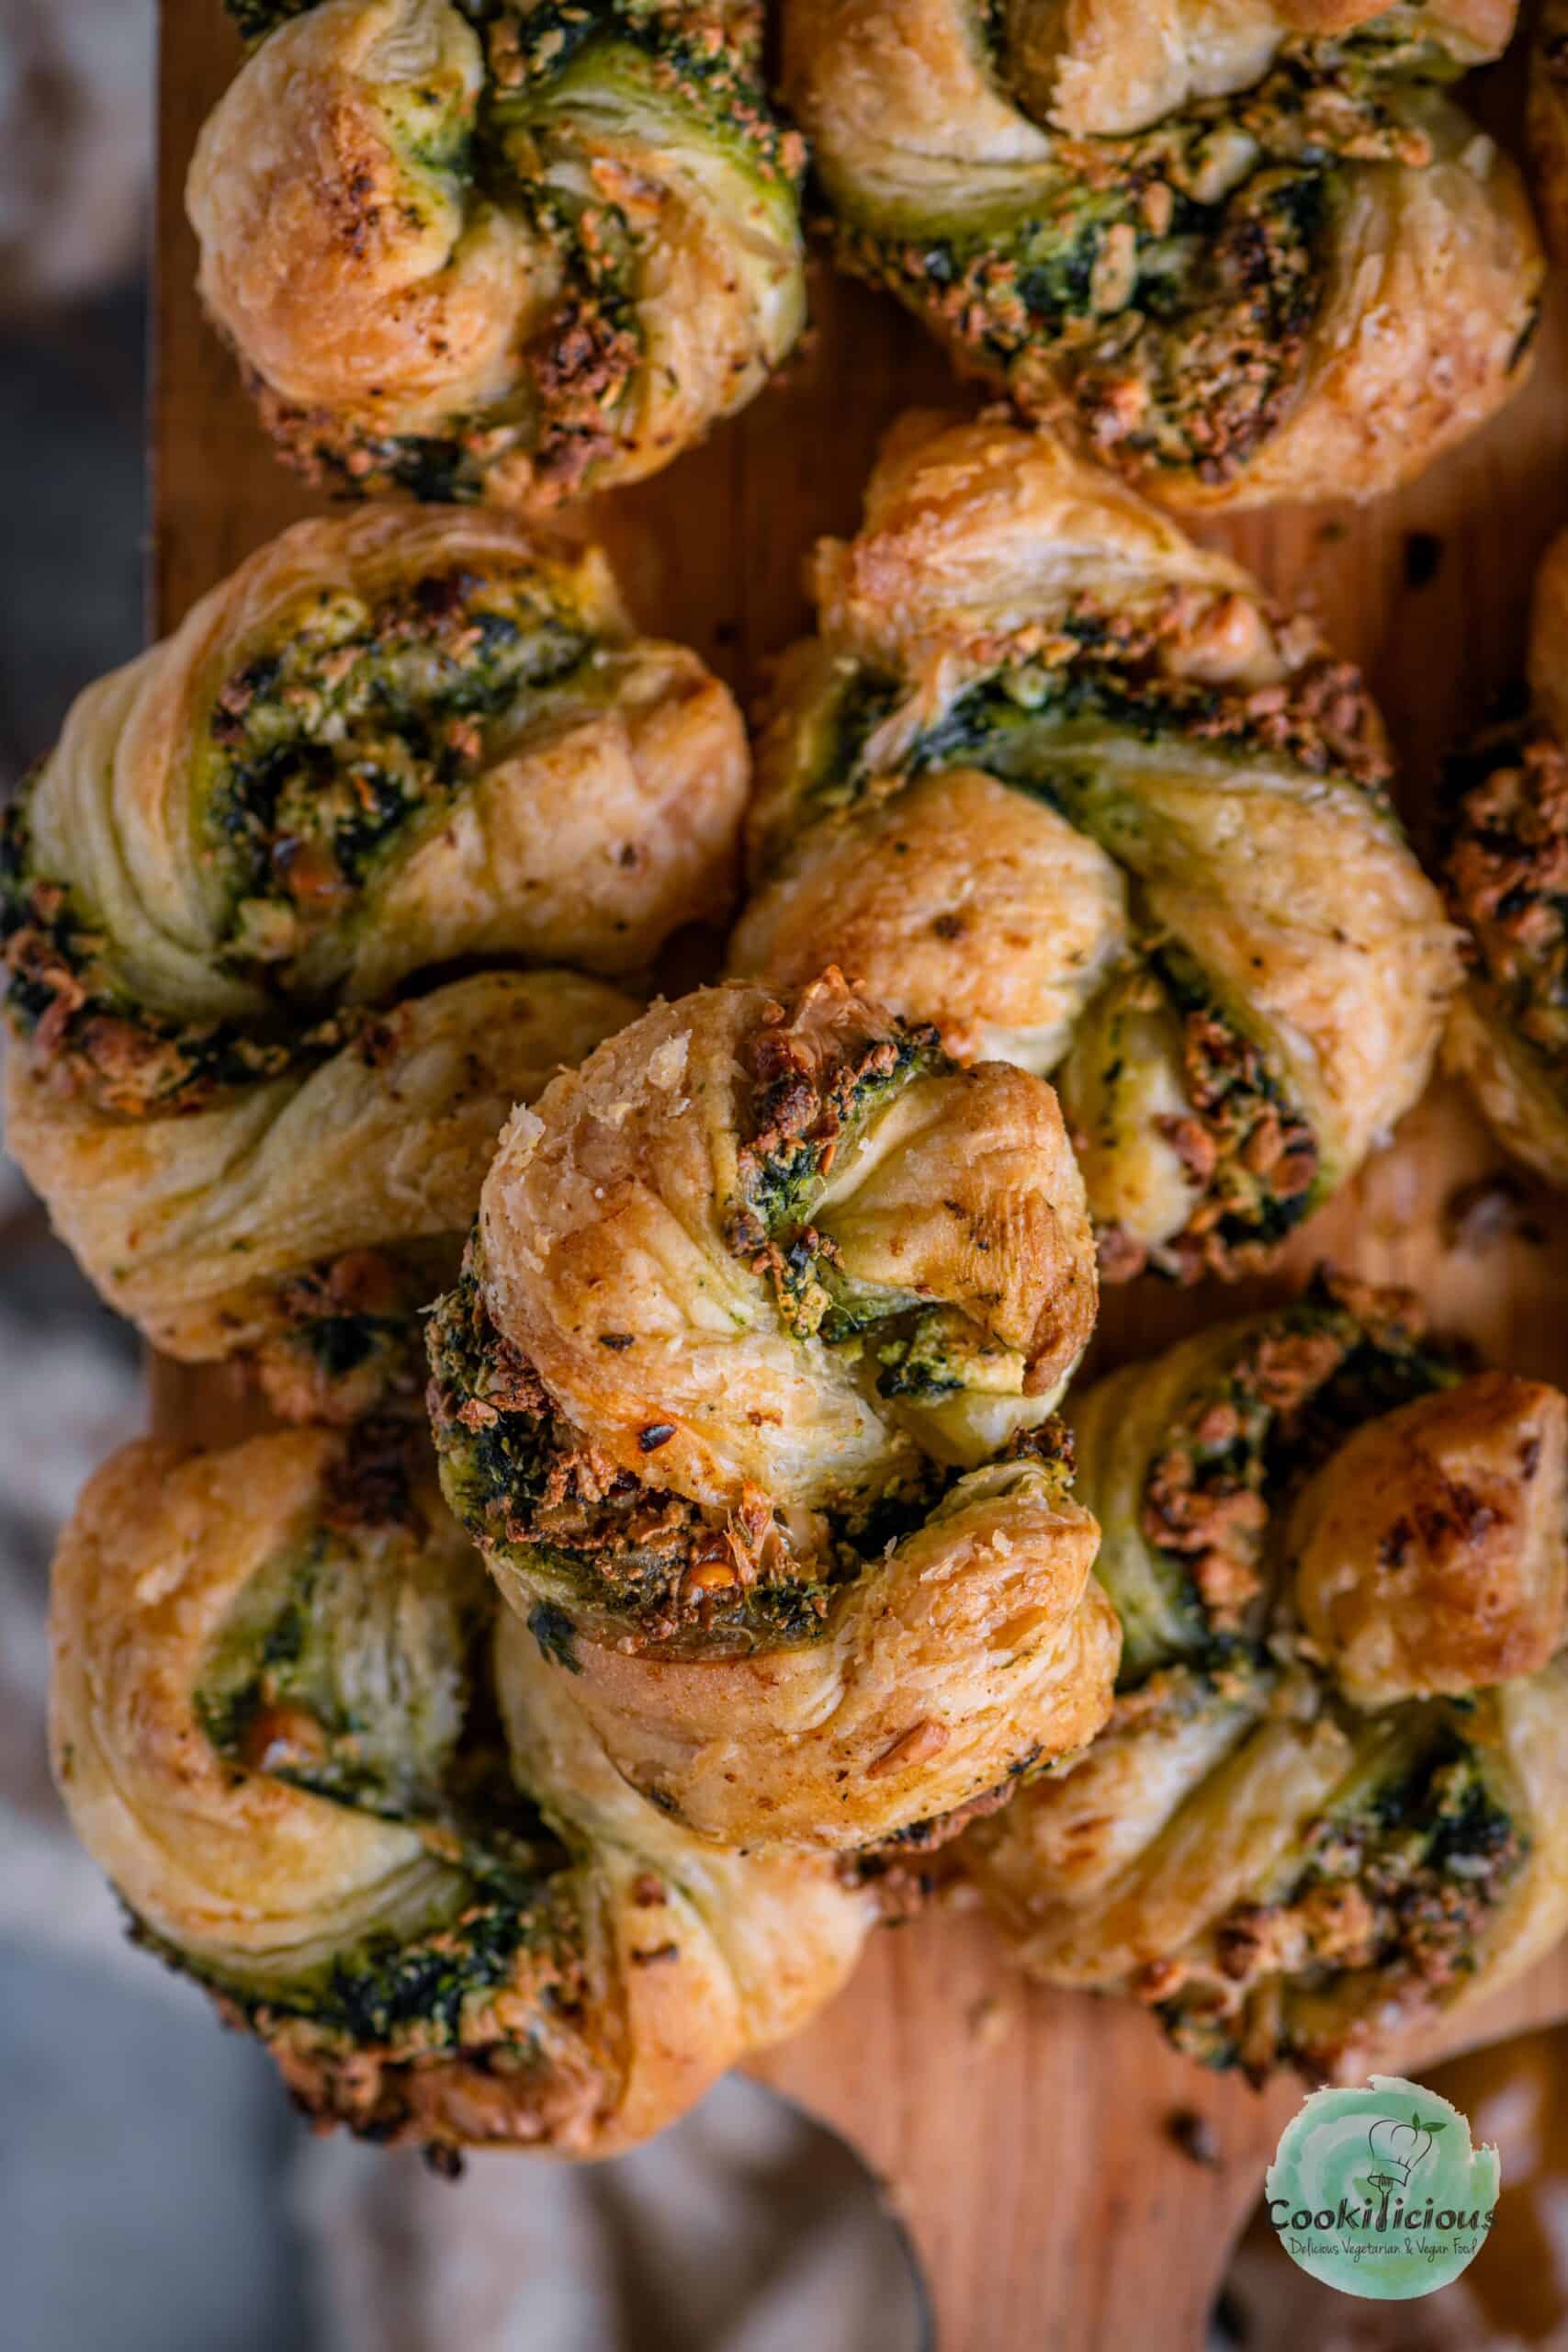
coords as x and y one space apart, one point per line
1333 1796
1245 251
334 1788
501 251
1507 873
1062 783
743 1394
386 746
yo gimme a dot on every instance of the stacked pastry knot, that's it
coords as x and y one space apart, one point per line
328 924
744 1384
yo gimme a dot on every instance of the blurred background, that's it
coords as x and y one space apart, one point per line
155 2188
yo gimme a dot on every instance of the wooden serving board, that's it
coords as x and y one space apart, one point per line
1026 2139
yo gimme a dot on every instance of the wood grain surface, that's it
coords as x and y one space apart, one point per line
1025 2139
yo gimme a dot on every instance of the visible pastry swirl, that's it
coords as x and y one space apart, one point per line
741 1395
1245 252
1507 871
1331 1797
1057 780
332 1782
386 745
510 251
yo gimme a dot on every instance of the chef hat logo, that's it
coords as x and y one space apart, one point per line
1400 2147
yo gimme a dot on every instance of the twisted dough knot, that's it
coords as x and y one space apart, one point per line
331 1787
741 1395
503 252
1057 780
384 745
1331 1794
1247 253
1507 871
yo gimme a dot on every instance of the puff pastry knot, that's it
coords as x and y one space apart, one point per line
744 1394
1506 872
1331 1799
510 252
1244 251
1060 782
244 1081
331 1782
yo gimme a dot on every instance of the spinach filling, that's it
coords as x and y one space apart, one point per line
1400 1879
800 1127
62 989
328 754
597 1547
594 1543
1037 723
1505 873
1249 1435
1049 726
355 1670
1169 279
594 1540
357 722
559 76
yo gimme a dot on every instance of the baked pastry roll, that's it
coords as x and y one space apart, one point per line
1333 1796
744 1395
1506 873
331 1782
388 746
508 252
1243 251
1062 783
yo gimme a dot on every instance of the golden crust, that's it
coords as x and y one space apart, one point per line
981 1645
604 1210
1505 869
1286 1841
197 932
1423 332
637 1308
1342 359
1172 1866
650 1963
1518 1099
1109 66
596 818
403 327
966 886
1430 1557
194 1226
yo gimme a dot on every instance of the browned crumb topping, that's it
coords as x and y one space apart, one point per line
346 1339
1208 1494
528 2063
1508 883
1397 1893
1251 1158
815 1075
370 1486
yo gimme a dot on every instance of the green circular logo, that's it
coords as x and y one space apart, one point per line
1378 2192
